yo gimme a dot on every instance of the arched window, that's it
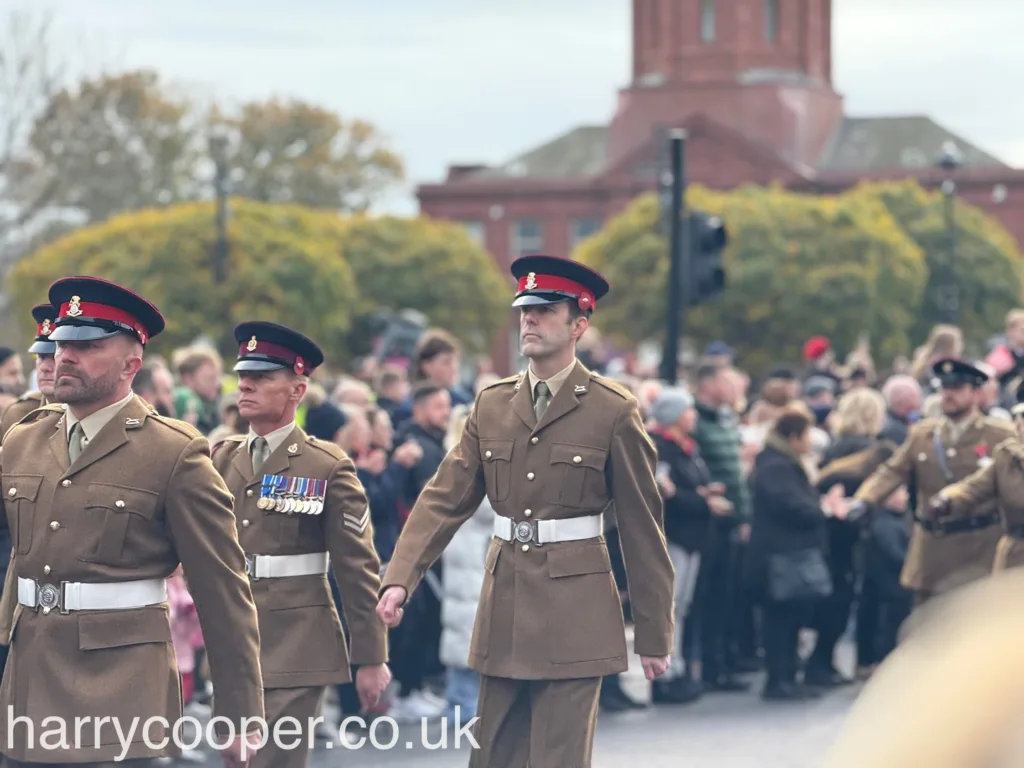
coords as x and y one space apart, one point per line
771 20
707 21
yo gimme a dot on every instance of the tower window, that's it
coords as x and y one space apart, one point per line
771 20
707 21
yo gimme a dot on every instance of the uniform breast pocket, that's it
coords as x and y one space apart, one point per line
21 496
579 475
497 460
116 521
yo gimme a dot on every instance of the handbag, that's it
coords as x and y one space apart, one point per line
800 575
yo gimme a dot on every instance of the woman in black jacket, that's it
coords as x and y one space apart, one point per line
785 565
690 499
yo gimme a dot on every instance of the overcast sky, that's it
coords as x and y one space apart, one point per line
481 80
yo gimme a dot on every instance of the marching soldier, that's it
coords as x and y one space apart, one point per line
43 348
300 509
104 499
1000 481
45 316
553 449
946 551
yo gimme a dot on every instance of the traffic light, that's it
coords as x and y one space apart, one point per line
708 238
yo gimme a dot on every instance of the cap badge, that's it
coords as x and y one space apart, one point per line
947 368
46 327
531 281
251 346
74 310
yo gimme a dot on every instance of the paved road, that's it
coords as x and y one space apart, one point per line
720 731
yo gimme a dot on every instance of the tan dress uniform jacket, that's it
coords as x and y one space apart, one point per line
14 413
1000 482
943 558
302 641
142 497
19 409
551 611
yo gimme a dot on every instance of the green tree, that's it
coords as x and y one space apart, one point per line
274 273
797 266
428 265
987 262
294 152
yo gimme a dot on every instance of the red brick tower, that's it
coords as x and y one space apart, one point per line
760 67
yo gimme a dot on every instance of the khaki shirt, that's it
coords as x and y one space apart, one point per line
551 611
937 563
142 498
302 642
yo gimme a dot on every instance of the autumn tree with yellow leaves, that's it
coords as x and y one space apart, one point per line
316 271
799 265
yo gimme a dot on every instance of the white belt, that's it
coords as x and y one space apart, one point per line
77 596
278 566
549 531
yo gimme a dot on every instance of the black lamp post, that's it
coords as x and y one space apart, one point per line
218 151
950 158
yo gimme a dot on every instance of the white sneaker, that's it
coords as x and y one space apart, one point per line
433 698
192 756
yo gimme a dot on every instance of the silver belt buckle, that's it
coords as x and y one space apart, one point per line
50 596
250 567
526 531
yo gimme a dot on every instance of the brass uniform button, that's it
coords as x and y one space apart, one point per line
46 570
66 483
534 440
245 523
54 525
528 512
526 547
529 476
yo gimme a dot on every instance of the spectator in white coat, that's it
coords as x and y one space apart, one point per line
463 568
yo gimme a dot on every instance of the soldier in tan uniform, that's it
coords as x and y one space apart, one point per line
104 499
553 449
1000 481
300 509
45 315
43 348
946 551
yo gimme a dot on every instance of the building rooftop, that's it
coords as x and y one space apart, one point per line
859 144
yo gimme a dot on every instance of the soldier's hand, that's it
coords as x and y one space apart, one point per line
240 752
655 666
371 682
390 606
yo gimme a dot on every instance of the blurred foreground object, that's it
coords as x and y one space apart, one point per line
952 694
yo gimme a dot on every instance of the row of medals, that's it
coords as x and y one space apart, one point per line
291 505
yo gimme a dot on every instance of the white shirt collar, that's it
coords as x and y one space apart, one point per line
94 422
274 439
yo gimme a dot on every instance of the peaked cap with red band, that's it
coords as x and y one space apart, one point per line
90 308
551 279
270 347
45 316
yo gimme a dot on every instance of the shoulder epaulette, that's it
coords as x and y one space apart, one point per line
331 449
612 386
179 426
34 394
507 380
235 439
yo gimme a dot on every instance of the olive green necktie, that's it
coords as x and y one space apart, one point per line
75 443
540 405
259 454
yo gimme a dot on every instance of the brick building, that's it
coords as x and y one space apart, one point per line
751 81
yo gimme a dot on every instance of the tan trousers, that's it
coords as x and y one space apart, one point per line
535 723
303 704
